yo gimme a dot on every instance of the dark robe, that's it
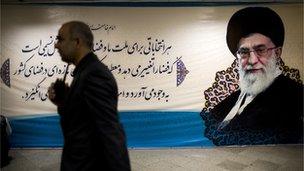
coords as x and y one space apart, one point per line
93 137
275 116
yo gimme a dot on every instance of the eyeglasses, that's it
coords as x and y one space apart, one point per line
244 53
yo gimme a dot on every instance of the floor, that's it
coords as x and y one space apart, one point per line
255 158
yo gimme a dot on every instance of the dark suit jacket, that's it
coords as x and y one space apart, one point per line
274 116
93 137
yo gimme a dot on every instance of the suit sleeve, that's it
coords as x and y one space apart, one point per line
100 95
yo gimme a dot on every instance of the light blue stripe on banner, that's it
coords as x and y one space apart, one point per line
143 130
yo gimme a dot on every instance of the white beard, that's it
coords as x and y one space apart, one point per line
255 83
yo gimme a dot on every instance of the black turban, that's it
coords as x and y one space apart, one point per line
249 20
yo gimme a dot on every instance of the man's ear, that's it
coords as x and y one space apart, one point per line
77 40
278 52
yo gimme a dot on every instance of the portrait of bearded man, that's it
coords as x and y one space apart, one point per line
268 106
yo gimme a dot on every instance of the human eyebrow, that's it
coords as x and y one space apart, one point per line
259 46
243 49
59 37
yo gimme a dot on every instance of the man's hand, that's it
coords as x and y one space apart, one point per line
57 92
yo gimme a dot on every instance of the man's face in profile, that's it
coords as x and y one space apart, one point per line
257 56
65 44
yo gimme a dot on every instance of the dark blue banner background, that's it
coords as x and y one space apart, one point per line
143 130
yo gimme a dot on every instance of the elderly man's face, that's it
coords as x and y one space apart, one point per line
258 50
257 58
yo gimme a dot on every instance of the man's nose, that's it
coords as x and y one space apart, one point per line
253 58
56 45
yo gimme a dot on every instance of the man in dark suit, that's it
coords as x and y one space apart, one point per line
268 107
93 137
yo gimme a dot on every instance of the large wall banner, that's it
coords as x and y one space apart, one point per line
170 64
